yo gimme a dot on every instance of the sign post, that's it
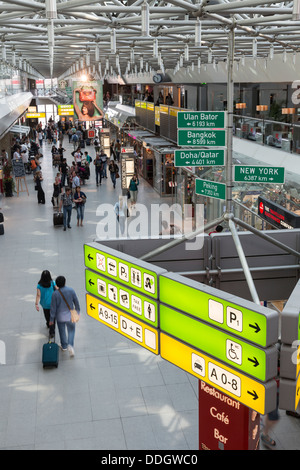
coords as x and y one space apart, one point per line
19 174
289 396
224 341
122 293
210 189
201 119
199 157
202 129
201 137
259 174
127 167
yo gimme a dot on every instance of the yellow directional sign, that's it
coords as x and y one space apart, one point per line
257 396
126 325
298 362
297 394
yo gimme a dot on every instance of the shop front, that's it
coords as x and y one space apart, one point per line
152 161
135 139
185 191
165 181
119 119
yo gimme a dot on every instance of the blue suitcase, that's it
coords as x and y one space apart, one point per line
50 354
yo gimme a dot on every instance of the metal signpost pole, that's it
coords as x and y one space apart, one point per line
230 89
229 166
243 261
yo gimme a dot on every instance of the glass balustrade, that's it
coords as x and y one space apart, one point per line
284 136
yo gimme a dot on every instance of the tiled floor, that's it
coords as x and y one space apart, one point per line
113 394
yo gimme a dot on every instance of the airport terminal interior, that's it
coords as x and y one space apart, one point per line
197 103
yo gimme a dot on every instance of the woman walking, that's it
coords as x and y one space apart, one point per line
38 186
45 288
133 188
57 189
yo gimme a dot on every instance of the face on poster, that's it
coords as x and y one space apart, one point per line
88 100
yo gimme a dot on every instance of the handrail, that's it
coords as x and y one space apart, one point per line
288 137
266 120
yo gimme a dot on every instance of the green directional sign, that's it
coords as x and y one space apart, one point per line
199 157
201 119
259 174
201 138
122 297
254 323
210 189
123 268
259 363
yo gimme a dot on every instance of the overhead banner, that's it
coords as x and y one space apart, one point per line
88 100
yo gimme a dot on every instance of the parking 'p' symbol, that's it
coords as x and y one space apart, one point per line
234 319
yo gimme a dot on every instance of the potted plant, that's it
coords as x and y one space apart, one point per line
8 181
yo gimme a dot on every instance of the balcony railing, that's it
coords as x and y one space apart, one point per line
265 132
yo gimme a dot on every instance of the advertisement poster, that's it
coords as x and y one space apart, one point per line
88 100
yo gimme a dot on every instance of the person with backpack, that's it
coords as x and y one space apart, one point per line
98 169
104 159
97 145
75 140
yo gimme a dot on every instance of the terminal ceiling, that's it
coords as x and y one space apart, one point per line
137 36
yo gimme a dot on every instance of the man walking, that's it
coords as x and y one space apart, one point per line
113 168
63 168
104 159
98 169
64 299
66 203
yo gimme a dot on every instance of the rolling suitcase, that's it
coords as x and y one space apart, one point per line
58 218
50 354
1 229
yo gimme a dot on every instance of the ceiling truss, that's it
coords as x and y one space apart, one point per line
61 37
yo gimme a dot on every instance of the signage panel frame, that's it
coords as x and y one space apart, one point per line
199 157
249 359
257 174
201 137
220 309
260 397
115 320
112 293
125 267
201 119
212 189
